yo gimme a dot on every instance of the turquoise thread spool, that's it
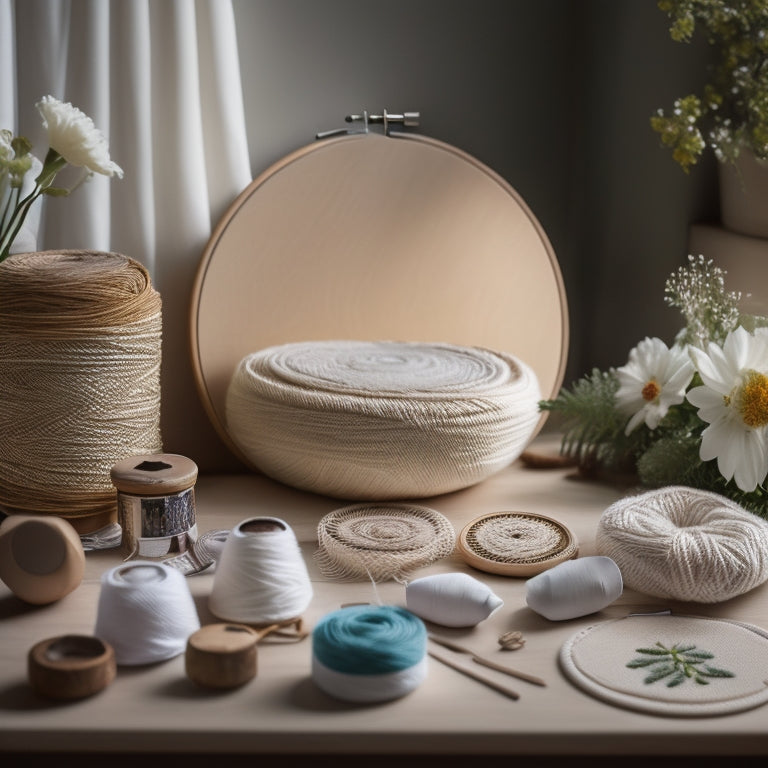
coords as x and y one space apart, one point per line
367 653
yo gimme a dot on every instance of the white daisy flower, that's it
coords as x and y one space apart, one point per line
654 379
734 402
73 135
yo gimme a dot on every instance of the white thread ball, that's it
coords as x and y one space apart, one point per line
685 544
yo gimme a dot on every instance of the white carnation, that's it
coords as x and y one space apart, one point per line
73 135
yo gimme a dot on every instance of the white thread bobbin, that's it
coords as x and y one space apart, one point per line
685 544
574 588
261 577
41 558
451 599
145 612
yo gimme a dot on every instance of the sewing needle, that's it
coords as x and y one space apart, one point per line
487 662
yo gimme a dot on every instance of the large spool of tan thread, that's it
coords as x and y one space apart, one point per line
80 338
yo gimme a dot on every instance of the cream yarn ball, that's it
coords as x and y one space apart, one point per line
685 544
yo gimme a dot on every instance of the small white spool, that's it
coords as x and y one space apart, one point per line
574 588
451 599
261 577
145 612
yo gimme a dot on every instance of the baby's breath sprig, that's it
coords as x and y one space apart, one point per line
698 291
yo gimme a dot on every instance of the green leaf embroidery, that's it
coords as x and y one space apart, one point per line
676 665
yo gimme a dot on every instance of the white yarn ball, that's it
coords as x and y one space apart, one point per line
146 612
685 544
451 599
574 588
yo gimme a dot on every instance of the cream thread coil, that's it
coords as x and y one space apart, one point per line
685 544
80 338
381 541
381 420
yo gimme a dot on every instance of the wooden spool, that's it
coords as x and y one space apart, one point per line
41 558
156 504
222 655
71 666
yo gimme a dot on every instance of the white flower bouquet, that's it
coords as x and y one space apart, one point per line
694 413
73 140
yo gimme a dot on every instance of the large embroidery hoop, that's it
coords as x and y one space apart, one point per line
376 237
595 659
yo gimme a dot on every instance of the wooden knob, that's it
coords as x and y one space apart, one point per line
41 558
158 474
71 666
222 655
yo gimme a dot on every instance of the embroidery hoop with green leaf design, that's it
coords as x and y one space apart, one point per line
594 658
678 663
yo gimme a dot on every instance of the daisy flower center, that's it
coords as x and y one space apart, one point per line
753 400
650 391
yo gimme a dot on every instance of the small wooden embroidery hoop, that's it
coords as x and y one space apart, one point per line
474 555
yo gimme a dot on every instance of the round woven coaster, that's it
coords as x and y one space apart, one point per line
516 543
381 541
671 665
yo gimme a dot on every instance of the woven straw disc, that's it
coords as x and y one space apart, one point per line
381 541
516 543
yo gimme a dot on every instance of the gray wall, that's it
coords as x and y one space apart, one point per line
554 95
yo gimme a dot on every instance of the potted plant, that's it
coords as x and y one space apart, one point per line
730 116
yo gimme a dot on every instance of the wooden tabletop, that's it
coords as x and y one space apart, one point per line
157 709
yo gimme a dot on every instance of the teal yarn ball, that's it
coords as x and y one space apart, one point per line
370 640
369 653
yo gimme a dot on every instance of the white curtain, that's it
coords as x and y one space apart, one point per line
161 79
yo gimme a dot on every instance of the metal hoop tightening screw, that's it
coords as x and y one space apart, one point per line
408 119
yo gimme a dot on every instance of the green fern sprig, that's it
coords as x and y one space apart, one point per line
677 664
593 427
586 413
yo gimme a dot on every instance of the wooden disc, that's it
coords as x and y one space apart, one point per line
41 558
71 666
515 543
222 655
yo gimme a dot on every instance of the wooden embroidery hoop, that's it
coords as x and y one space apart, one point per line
374 237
